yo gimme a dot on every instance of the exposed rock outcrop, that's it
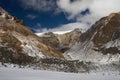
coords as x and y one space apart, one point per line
61 42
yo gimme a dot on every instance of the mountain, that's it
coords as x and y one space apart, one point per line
100 43
72 51
18 43
61 41
21 47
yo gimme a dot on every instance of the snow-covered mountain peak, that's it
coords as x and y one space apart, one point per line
62 32
54 32
61 40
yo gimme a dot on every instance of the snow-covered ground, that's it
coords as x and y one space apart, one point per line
29 74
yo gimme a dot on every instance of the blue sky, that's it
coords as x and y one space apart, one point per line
55 15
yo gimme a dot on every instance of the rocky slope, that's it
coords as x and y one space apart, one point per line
61 42
101 43
18 43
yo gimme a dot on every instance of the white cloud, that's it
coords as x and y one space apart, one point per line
105 7
31 16
73 8
70 26
101 8
37 28
97 8
89 18
38 5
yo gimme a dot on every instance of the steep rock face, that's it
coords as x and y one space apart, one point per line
19 43
101 43
50 39
61 42
69 39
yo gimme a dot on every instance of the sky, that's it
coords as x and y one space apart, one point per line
59 15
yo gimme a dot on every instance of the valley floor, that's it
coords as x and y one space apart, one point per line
29 74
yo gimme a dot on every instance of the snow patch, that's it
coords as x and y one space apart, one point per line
29 45
32 51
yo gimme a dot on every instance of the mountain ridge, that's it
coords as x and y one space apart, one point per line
14 34
92 43
62 41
